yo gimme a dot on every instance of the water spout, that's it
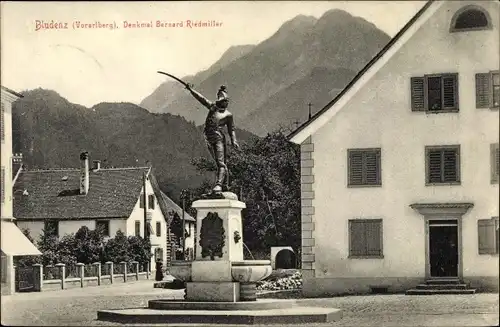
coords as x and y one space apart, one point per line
246 247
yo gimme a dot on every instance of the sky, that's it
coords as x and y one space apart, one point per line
92 65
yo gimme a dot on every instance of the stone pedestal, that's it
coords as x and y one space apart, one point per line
219 231
229 211
213 291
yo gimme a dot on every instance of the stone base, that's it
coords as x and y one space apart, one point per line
213 291
294 315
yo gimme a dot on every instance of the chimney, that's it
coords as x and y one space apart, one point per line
97 165
84 175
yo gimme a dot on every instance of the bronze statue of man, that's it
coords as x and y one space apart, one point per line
218 116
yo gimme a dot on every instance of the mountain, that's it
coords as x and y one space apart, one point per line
290 68
51 132
162 96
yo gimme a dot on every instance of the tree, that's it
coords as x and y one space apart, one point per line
139 249
89 245
117 249
48 245
265 174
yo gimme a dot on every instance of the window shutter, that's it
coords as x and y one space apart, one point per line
434 169
137 228
158 229
486 236
141 201
417 94
450 91
151 201
372 171
3 185
483 87
373 232
2 122
357 237
355 168
495 162
450 162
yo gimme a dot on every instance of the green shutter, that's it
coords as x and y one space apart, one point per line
417 93
486 236
450 91
483 90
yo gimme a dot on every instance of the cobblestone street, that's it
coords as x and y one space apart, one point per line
79 307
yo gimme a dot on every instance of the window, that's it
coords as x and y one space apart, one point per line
495 163
488 90
158 228
2 190
442 164
137 228
151 201
365 238
488 236
364 167
470 18
141 200
435 93
103 225
2 123
51 227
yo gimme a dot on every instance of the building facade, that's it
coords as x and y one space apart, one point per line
14 243
400 171
64 200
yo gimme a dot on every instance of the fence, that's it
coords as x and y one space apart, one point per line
43 278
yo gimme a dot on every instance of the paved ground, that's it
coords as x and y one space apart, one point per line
78 307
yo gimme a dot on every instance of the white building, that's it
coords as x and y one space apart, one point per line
400 171
63 200
14 243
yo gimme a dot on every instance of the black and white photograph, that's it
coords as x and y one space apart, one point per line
250 163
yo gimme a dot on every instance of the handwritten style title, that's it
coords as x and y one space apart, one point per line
59 25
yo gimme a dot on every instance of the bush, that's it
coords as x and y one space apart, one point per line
281 280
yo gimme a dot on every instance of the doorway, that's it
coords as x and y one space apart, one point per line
443 248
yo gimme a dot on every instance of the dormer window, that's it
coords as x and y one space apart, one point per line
470 18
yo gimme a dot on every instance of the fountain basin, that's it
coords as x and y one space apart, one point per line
250 271
247 271
181 270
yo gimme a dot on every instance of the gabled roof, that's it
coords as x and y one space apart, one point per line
167 205
173 206
365 74
45 194
6 89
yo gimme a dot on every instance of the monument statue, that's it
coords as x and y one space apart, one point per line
218 116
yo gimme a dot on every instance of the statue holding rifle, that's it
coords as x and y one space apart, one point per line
218 117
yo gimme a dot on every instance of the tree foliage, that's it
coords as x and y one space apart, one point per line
87 246
265 174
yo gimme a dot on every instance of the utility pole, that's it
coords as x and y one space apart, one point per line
310 113
183 198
